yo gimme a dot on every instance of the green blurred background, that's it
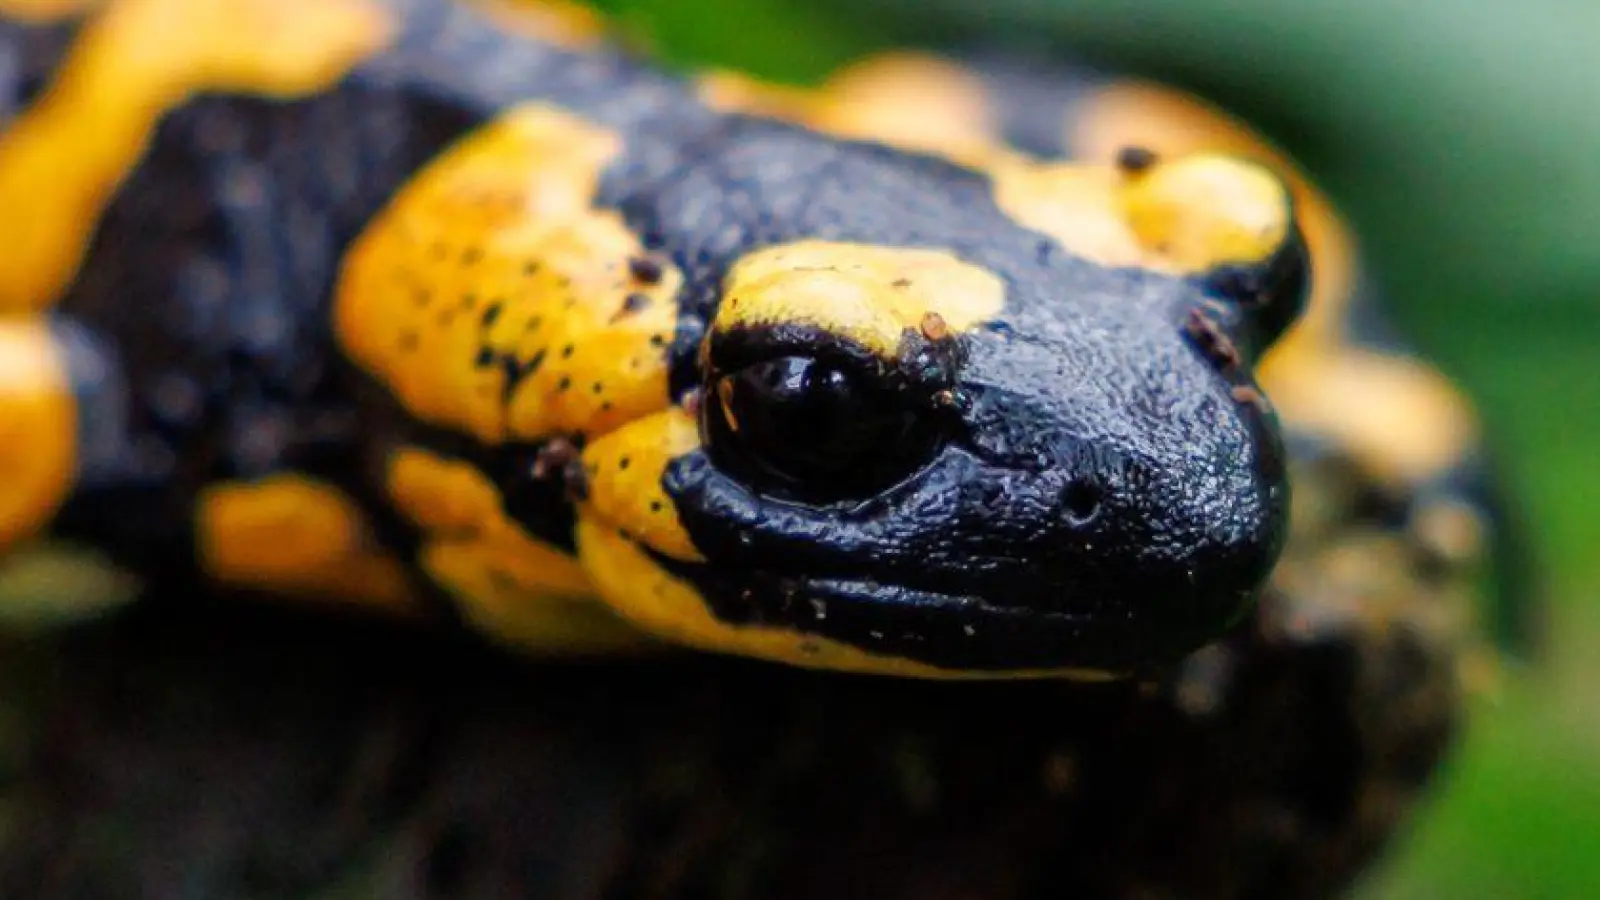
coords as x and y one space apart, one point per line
1463 139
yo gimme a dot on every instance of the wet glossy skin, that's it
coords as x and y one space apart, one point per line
1082 486
484 311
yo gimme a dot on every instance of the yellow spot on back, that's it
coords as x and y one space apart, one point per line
1183 216
1401 418
62 159
555 22
297 537
45 10
867 294
493 299
1403 421
1204 211
38 429
1171 123
913 101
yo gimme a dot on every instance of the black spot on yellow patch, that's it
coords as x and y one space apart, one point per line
112 90
546 257
297 537
38 429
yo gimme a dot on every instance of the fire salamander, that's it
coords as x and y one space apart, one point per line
458 311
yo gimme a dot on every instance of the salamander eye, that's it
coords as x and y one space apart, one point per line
814 427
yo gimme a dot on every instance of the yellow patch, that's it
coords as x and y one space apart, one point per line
1403 421
557 22
1186 215
493 299
623 471
1171 123
909 100
515 587
45 10
866 294
297 537
38 429
63 159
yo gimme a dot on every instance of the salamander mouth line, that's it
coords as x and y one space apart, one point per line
892 619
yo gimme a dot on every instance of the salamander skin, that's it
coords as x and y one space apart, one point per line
941 433
939 370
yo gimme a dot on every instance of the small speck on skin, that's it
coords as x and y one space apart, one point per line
658 340
566 352
900 283
623 463
1133 159
471 255
655 506
531 267
564 383
645 270
634 303
598 387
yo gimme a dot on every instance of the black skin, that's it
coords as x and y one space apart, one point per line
1088 489
1097 496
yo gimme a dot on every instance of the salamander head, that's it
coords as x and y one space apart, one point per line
1009 429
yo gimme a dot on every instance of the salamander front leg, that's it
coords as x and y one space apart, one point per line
63 159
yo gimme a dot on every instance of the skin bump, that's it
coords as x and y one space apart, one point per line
493 299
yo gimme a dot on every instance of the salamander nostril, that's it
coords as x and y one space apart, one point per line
1081 500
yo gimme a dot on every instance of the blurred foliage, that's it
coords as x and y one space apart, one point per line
1463 139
